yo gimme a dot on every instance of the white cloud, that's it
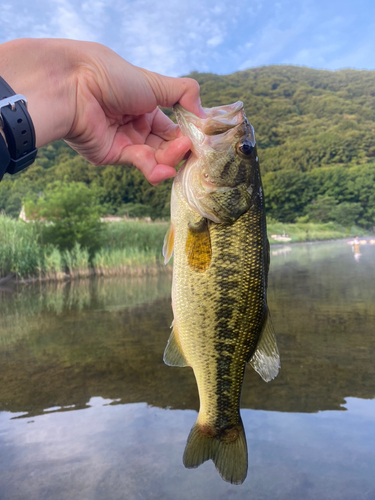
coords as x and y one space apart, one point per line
69 22
215 40
175 37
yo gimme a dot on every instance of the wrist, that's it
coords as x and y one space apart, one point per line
42 70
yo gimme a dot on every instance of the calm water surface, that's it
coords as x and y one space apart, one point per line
88 410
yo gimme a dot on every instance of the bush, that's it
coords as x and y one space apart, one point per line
68 214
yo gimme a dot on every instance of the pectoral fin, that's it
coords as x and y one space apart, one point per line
198 246
168 244
266 359
173 355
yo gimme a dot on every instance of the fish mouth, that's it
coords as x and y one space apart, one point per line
220 120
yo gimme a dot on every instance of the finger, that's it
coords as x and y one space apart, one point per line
170 90
163 126
143 158
174 153
191 100
160 173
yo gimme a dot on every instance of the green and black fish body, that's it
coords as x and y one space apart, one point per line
221 320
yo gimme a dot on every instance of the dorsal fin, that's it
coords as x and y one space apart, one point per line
198 246
266 359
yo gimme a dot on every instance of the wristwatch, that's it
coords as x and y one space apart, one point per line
18 129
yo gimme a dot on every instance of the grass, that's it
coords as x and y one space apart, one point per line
20 252
52 266
309 231
127 248
144 236
124 261
77 261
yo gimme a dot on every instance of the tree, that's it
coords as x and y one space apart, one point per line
321 209
68 214
347 214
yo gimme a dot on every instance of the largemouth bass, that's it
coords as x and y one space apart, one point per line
219 241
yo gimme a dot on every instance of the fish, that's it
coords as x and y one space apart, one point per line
218 239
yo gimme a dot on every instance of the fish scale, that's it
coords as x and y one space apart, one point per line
221 257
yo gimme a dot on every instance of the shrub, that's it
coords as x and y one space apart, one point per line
68 214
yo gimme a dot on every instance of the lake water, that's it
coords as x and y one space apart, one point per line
89 411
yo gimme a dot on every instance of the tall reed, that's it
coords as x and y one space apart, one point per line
20 250
52 267
129 247
77 261
132 261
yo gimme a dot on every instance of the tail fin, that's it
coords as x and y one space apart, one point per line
227 450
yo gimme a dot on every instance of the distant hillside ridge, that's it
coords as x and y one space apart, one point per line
315 131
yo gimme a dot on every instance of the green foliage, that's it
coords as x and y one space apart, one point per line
325 208
123 246
129 247
125 261
315 134
20 251
77 261
311 231
290 194
133 210
320 210
69 214
347 214
52 266
133 234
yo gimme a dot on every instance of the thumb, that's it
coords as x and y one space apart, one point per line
168 91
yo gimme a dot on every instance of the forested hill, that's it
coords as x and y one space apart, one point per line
316 143
303 118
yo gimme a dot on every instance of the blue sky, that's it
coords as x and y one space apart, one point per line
175 37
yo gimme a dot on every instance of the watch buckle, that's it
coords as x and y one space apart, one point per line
12 100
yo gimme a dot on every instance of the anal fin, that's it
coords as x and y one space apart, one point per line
266 359
173 355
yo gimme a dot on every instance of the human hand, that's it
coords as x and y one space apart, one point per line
104 107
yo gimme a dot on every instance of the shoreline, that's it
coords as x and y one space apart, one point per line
139 271
133 271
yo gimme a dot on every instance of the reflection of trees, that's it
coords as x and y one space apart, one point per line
24 306
323 314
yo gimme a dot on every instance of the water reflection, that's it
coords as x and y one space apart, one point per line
63 345
85 398
134 452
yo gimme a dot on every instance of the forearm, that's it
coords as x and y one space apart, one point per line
44 72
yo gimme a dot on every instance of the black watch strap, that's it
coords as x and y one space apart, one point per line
4 157
18 128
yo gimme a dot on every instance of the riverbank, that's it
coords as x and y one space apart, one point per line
127 248
279 232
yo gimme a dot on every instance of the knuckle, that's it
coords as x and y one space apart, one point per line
192 85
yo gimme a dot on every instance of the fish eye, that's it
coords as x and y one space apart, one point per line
246 147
